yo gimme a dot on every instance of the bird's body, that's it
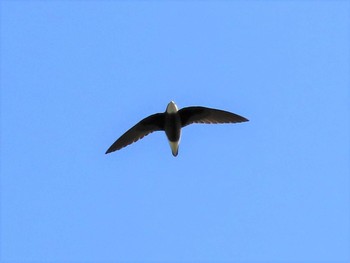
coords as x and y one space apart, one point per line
172 127
171 121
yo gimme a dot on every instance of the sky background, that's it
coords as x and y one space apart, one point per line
75 75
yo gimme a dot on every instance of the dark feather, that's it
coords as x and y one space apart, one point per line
191 115
150 124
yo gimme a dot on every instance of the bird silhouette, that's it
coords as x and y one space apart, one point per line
171 121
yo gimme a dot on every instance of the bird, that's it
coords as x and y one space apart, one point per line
171 122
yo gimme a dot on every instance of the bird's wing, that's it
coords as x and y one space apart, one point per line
191 115
150 124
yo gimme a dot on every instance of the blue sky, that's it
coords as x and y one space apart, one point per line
75 75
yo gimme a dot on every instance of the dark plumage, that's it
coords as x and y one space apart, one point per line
171 121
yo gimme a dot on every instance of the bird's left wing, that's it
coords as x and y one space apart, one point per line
150 124
191 115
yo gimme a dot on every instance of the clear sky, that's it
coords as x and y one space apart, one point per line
75 75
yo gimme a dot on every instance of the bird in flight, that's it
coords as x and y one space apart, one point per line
171 121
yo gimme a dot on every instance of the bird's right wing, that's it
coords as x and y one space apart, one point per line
150 124
191 115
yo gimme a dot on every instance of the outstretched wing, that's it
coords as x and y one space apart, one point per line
191 115
150 124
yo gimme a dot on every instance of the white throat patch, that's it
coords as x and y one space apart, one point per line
171 108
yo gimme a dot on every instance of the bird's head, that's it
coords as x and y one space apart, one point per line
171 108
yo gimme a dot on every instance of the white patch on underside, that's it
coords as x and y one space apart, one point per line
174 147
